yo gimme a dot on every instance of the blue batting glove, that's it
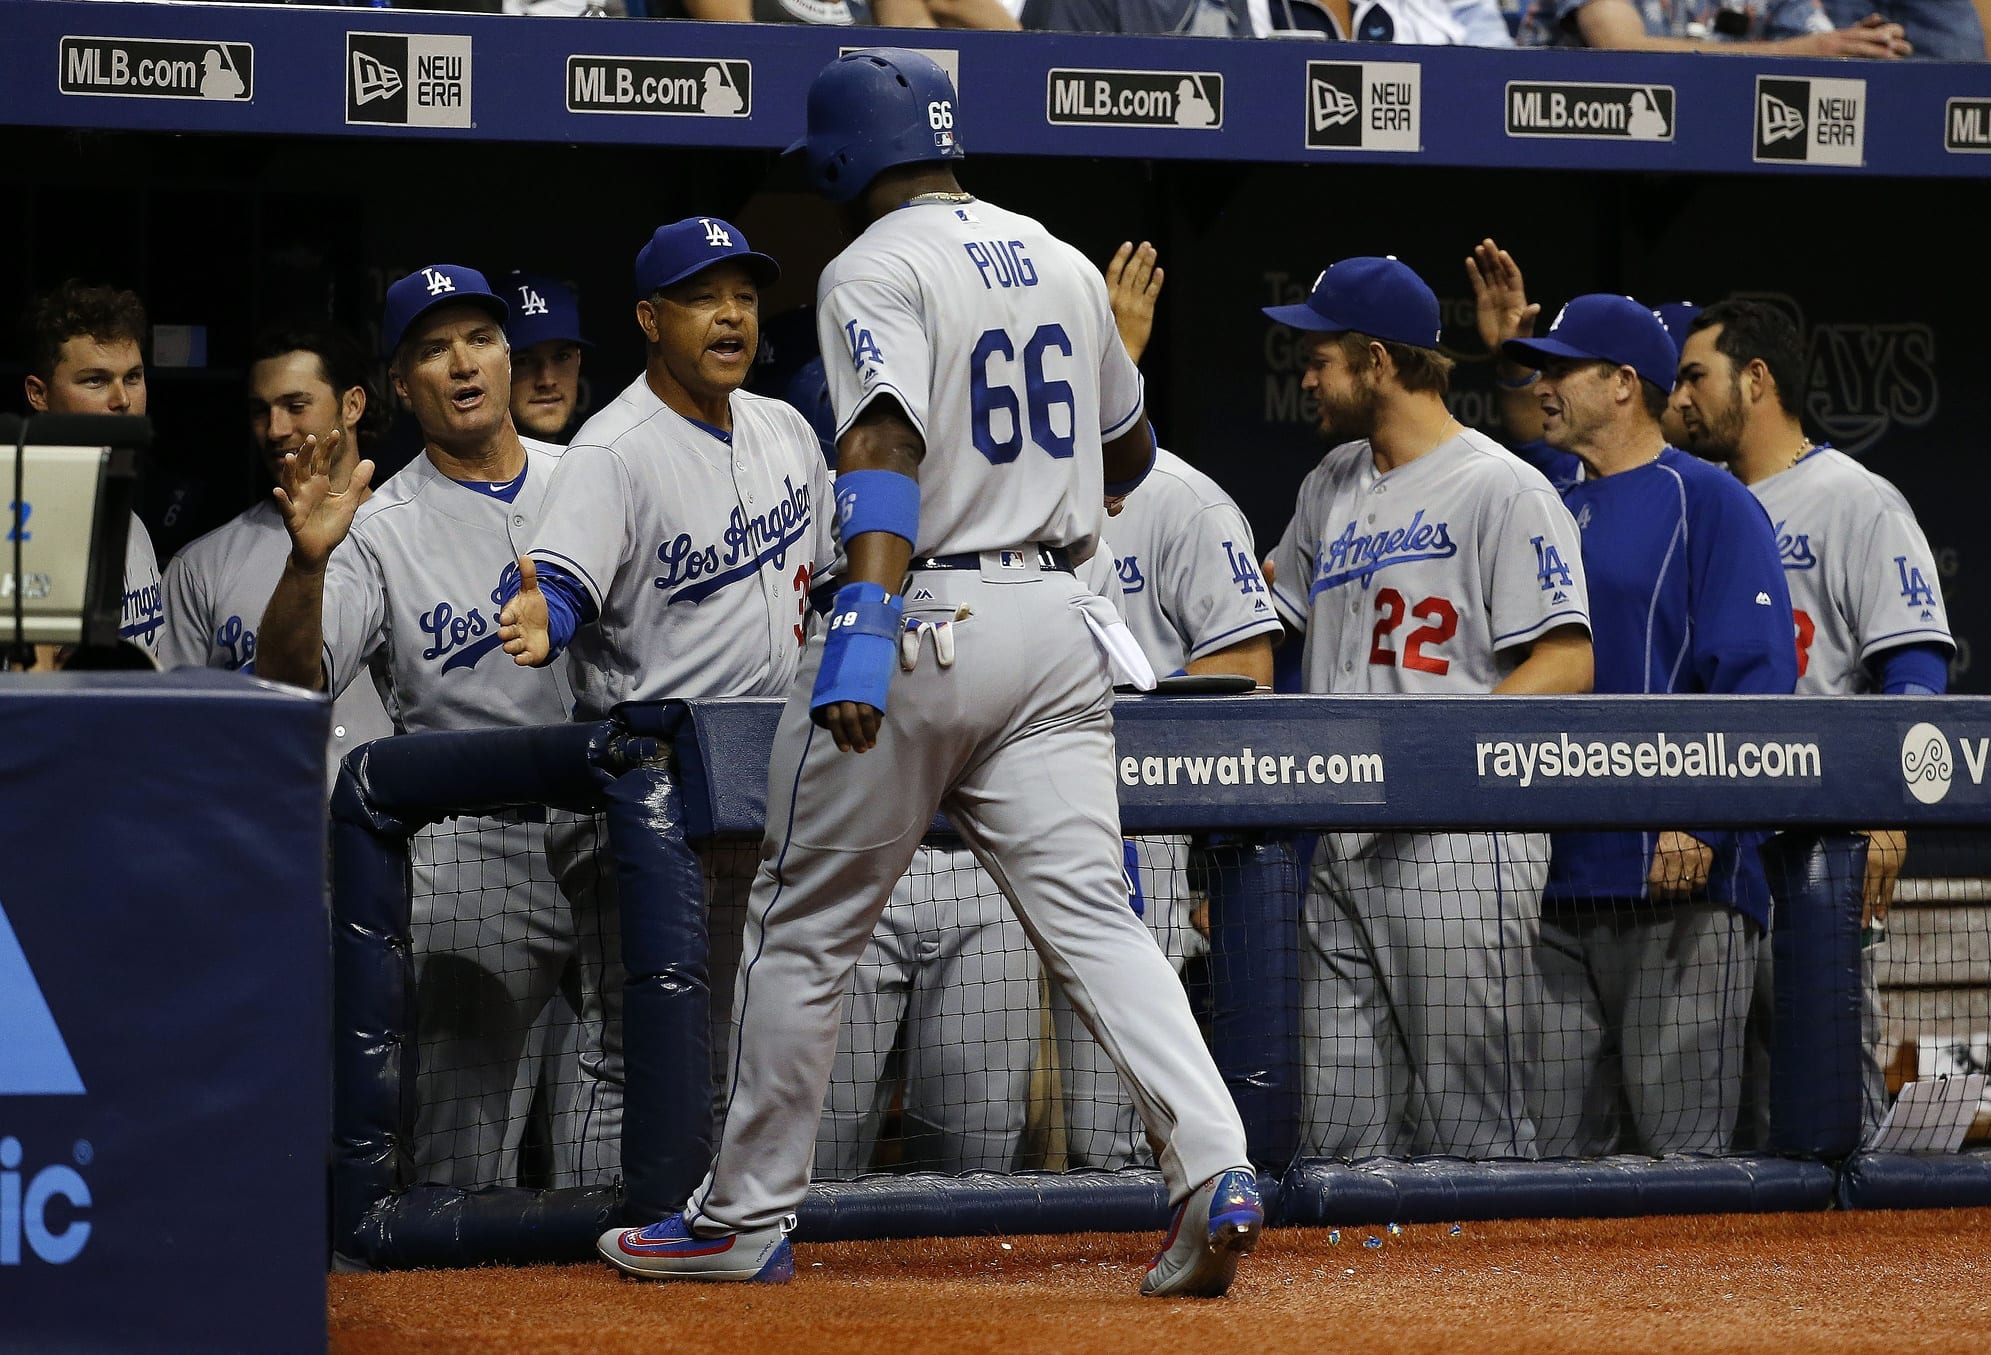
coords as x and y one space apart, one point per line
861 650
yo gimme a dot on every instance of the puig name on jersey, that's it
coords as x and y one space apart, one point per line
745 545
1353 557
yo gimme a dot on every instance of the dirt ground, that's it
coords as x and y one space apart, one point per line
1842 1282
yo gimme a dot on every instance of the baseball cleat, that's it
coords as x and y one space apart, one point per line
669 1251
1212 1230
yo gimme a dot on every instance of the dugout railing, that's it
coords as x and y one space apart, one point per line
1258 773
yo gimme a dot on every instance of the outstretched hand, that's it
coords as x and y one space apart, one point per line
1132 285
524 625
1500 296
316 516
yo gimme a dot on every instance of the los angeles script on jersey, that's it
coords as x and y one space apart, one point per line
1355 557
697 571
460 639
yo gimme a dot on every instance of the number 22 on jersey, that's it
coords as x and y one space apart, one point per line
1441 623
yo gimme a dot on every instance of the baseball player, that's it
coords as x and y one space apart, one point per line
302 383
1420 558
677 546
1193 596
1649 939
545 332
1863 584
985 408
412 599
947 983
83 358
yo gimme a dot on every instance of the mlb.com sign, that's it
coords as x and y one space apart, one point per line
41 1208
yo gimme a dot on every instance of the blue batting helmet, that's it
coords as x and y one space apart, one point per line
872 109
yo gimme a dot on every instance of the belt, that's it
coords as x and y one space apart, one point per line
1051 558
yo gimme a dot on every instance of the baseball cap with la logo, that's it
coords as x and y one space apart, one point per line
1380 297
542 308
689 246
439 284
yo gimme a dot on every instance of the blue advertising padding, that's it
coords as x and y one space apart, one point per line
368 72
1216 762
164 845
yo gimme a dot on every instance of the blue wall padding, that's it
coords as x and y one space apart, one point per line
1915 1181
419 778
373 1009
1437 1190
931 1204
163 1003
446 1226
666 1002
1255 999
1816 880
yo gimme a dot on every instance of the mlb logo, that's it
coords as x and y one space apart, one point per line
944 140
1011 559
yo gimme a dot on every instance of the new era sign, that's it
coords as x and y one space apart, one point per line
1814 122
408 80
1363 105
1096 98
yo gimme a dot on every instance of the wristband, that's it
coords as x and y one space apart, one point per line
861 647
877 501
1116 488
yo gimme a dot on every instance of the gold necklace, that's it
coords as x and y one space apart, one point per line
940 197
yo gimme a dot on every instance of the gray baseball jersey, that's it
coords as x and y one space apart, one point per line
997 340
1426 579
1014 414
415 593
216 589
657 516
1188 568
1861 577
142 616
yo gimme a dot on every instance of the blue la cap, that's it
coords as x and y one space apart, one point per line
439 284
1604 327
685 247
542 308
1378 297
1678 317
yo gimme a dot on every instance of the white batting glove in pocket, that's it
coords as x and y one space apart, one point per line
943 640
1123 652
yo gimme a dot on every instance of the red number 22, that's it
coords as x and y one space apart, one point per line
1441 620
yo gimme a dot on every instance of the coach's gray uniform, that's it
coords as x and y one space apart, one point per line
411 600
698 554
1189 587
216 589
1862 582
1014 740
1417 976
142 614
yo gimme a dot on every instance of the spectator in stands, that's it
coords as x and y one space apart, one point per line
545 332
1649 939
1430 22
845 13
1941 30
1786 27
303 382
84 348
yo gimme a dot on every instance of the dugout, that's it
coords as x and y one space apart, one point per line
228 213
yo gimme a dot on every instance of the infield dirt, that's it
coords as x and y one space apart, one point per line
1841 1282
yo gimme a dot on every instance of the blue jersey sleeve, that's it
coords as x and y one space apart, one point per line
1744 640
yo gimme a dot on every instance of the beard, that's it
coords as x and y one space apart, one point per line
1718 433
1348 420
